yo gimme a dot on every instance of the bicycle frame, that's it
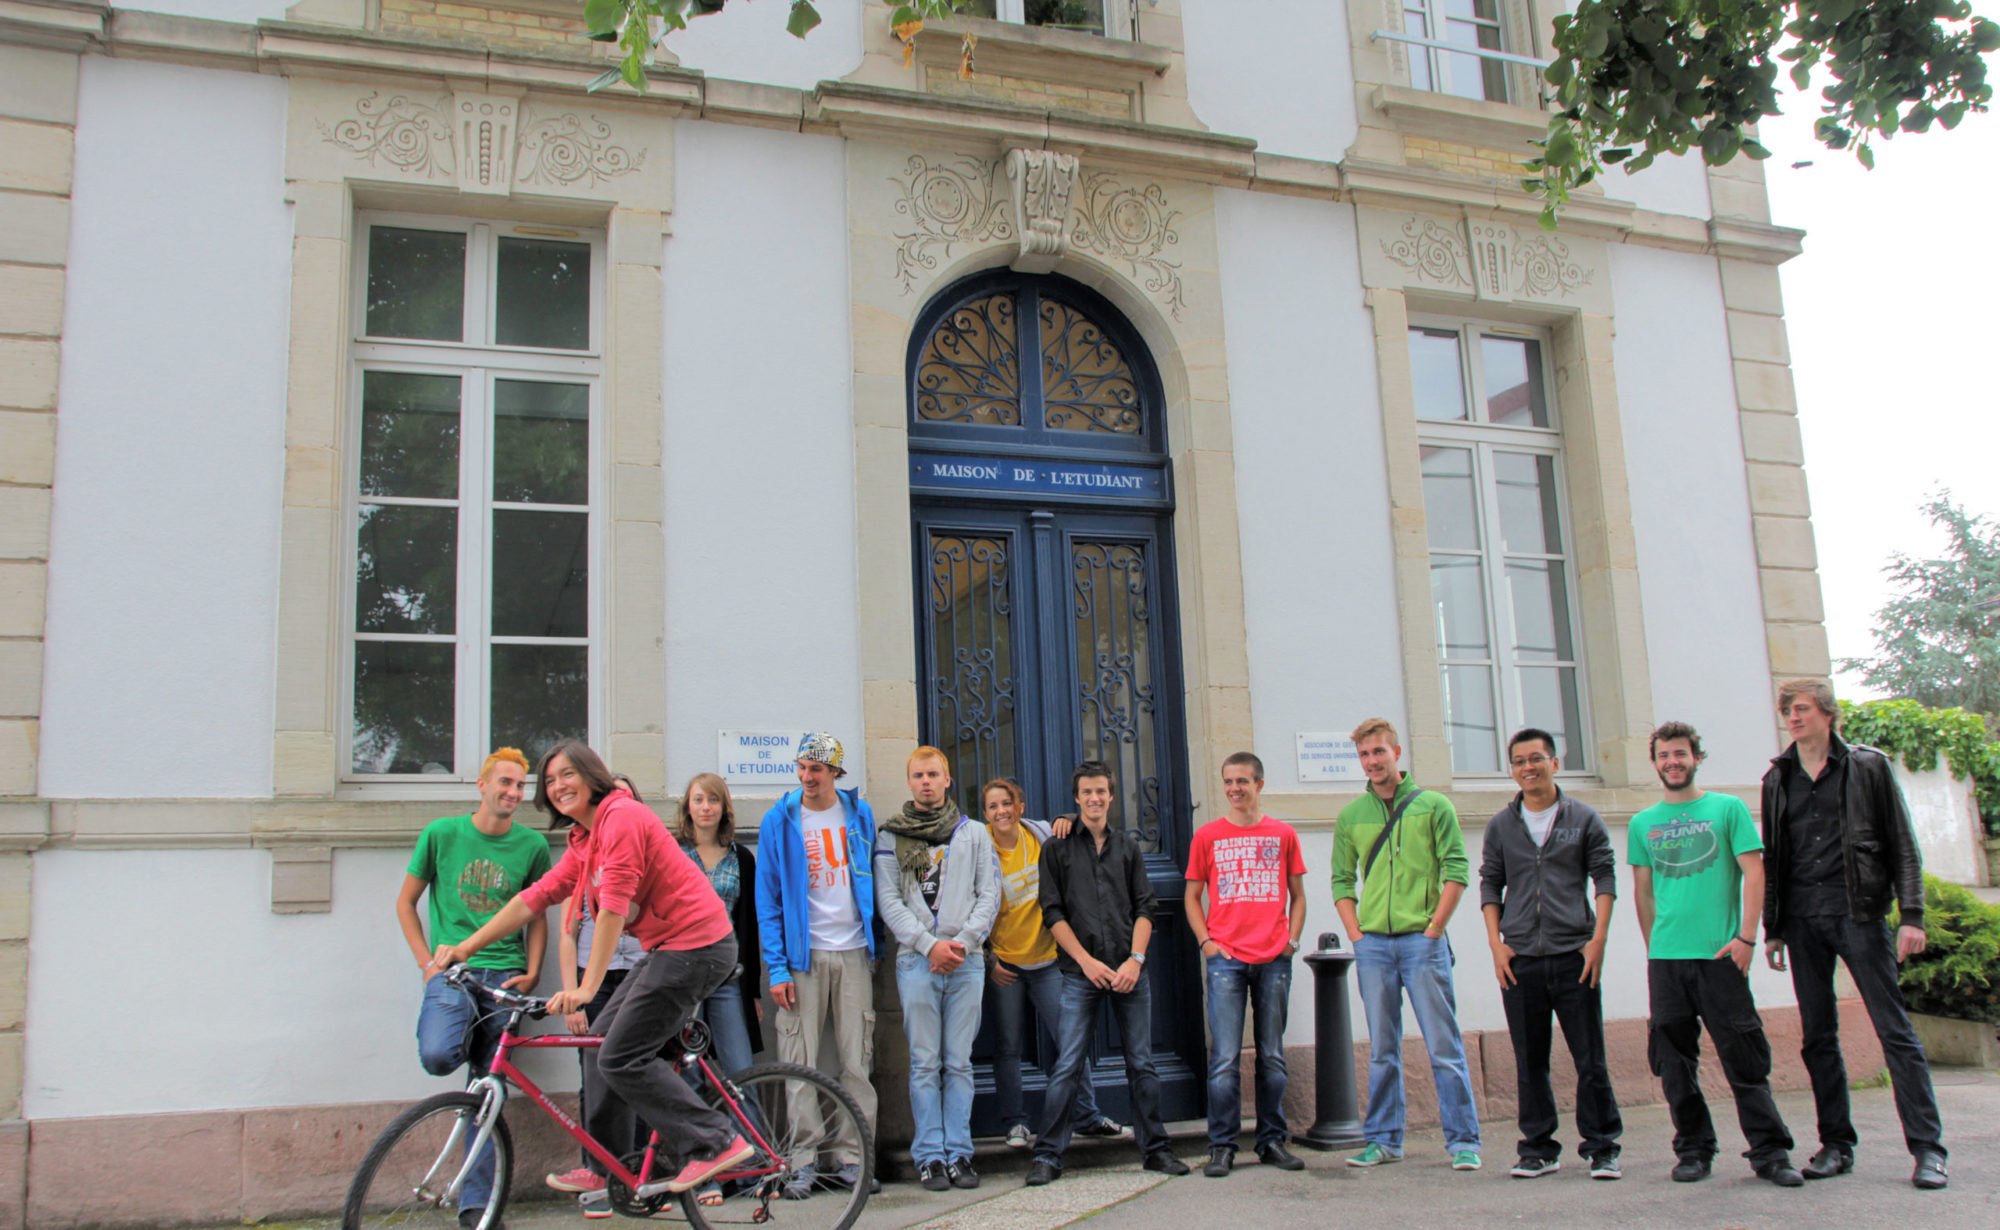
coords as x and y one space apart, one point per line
503 1072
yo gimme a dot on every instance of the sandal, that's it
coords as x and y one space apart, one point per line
709 1196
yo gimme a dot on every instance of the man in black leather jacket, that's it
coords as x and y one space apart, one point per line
1839 850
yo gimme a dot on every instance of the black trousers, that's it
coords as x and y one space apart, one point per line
1687 994
1549 989
1870 952
628 1075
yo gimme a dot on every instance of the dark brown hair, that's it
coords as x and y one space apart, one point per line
588 765
714 787
1818 691
1674 730
1249 759
1012 791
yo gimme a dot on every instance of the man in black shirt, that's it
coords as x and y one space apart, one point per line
1840 850
1098 903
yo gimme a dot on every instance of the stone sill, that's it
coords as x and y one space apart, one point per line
1068 56
1426 113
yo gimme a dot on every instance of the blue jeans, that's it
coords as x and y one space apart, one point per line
1134 1009
941 1017
1386 966
728 1028
451 1031
1044 987
1268 987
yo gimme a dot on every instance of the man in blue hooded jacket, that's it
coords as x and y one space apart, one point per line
816 912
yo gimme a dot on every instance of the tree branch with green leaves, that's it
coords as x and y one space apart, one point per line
637 26
1635 79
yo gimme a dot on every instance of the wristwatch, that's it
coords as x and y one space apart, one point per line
1140 957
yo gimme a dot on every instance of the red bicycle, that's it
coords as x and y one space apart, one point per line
791 1115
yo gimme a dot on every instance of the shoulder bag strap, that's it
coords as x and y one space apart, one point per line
1382 838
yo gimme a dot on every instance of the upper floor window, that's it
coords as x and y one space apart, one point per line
1503 584
472 502
1112 18
1462 23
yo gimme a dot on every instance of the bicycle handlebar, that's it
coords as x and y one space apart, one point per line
460 976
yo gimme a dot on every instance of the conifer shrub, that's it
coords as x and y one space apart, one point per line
1958 973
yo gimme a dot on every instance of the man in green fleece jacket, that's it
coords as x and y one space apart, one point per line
1403 845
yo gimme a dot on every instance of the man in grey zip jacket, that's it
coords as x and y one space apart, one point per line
1545 853
937 889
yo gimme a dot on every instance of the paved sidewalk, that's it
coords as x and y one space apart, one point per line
1423 1191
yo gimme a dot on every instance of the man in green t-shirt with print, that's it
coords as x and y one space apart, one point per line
1698 885
472 865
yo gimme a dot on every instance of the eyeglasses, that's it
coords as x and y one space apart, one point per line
1523 762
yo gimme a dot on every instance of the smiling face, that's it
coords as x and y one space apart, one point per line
566 789
817 778
1533 765
1001 814
1241 787
1093 799
1378 760
930 782
501 789
1676 763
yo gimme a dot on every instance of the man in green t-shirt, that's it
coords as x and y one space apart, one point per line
472 865
1698 885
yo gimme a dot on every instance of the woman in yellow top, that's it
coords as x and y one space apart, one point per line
1022 966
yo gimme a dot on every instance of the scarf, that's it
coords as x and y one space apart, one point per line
917 829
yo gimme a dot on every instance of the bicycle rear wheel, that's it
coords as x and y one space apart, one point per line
401 1181
810 1125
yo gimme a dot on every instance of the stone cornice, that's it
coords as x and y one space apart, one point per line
1010 48
63 25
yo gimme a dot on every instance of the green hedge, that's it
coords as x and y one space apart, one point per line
1958 974
1919 734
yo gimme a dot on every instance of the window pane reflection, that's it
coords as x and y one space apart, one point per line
409 435
544 294
1438 375
1470 724
541 573
1513 370
1541 611
416 284
541 442
1549 700
406 570
540 696
1529 519
1458 592
1451 504
403 707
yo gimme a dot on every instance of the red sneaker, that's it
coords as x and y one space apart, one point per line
697 1172
582 1179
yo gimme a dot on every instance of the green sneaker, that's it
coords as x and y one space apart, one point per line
1465 1159
1375 1155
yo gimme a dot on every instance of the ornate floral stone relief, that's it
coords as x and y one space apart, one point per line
398 133
1132 226
1493 261
564 148
1042 183
949 202
954 201
488 143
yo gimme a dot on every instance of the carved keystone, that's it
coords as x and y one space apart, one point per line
1042 182
485 127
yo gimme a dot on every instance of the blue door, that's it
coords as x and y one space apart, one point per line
1046 607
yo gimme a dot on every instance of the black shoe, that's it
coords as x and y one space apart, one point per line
1781 1173
468 1219
1690 1170
1930 1173
1277 1155
1828 1162
961 1173
1166 1163
1104 1127
1535 1167
1221 1160
1044 1172
932 1177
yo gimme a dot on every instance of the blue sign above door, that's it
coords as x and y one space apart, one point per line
967 474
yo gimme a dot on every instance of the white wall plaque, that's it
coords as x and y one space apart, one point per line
759 757
1328 758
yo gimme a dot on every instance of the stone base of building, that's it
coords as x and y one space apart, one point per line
259 1165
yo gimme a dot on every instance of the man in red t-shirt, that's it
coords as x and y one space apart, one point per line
1250 872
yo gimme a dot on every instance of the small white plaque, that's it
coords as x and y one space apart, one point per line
759 757
1328 758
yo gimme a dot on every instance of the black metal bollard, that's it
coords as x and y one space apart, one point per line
1338 1125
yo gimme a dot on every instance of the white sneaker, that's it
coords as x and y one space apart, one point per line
1018 1137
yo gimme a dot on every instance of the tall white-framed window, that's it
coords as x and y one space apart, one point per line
1111 18
472 504
1503 576
1462 23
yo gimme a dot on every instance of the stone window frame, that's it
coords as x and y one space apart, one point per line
1389 103
490 361
1477 435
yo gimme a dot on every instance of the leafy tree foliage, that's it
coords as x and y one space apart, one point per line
636 25
1934 645
1634 79
1958 973
1919 736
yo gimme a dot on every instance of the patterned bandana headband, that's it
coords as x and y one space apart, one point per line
822 747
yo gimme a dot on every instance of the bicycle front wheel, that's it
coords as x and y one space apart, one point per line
403 1179
810 1129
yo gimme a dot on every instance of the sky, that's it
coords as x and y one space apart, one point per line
1894 336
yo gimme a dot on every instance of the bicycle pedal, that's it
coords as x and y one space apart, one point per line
659 1188
602 1193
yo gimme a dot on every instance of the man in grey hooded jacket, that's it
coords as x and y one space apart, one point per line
937 889
1544 854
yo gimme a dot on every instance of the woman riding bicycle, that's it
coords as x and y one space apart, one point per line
636 878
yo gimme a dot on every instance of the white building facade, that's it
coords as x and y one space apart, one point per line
372 394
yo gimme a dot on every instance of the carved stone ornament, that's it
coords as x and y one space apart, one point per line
1492 258
1434 252
1132 226
486 127
488 143
1495 261
1042 182
949 202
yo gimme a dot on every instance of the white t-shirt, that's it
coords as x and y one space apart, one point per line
1540 822
834 915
